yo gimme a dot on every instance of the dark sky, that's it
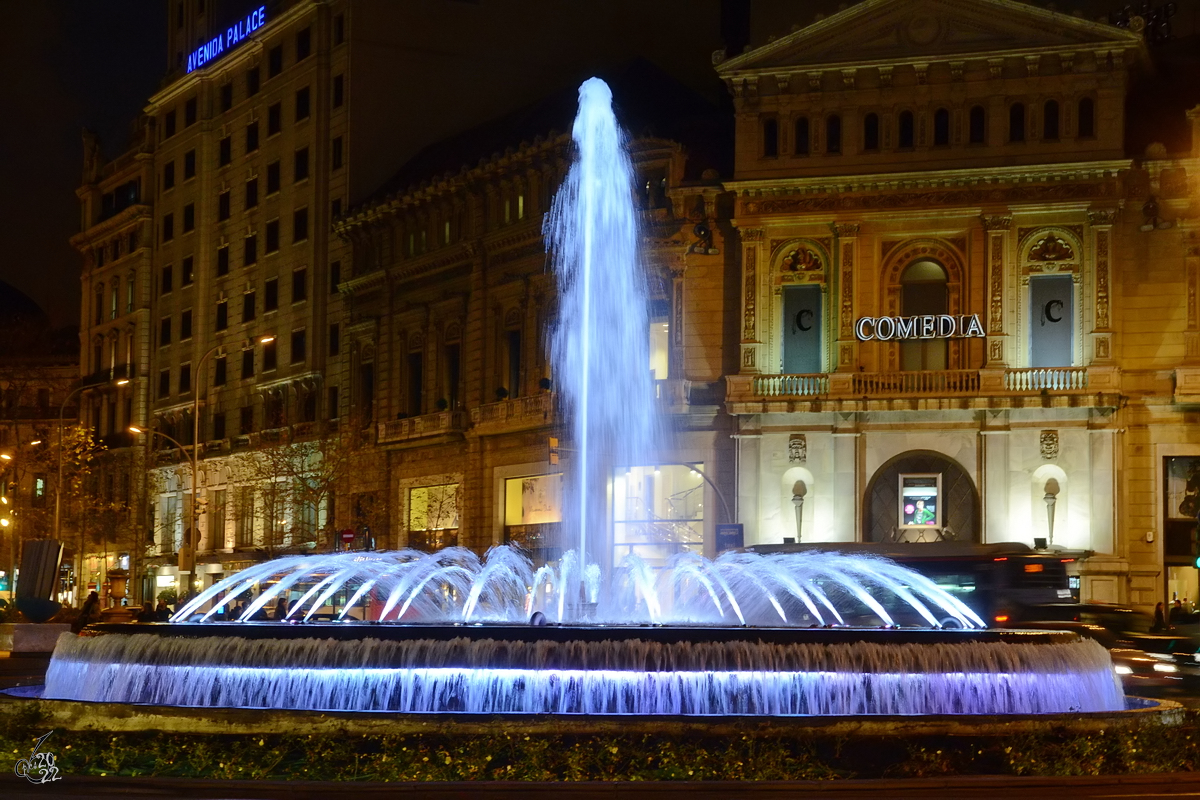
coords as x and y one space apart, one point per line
68 64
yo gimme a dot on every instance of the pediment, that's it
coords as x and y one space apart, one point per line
879 31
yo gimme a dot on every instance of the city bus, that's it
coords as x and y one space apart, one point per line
994 580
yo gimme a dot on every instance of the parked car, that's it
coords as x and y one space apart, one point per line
1140 653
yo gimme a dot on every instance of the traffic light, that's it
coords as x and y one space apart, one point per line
552 450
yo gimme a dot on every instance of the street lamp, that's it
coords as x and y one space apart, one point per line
192 536
58 485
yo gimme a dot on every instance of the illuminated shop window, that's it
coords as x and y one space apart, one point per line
533 500
659 346
658 511
433 516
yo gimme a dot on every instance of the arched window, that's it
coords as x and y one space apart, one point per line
770 138
977 125
833 134
129 285
905 136
871 132
1016 122
1087 117
802 146
98 314
941 127
114 303
1050 120
923 291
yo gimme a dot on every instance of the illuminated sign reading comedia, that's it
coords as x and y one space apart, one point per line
234 35
932 326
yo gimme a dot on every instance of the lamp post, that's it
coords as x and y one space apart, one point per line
58 484
191 544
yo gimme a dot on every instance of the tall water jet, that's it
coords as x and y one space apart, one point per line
600 344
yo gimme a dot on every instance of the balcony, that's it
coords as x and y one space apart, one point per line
442 423
1001 388
520 413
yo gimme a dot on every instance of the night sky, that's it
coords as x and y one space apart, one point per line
75 63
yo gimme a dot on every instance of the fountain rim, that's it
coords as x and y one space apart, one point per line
663 634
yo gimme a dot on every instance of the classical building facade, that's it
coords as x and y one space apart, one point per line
966 312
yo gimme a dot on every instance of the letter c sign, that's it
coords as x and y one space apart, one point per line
804 320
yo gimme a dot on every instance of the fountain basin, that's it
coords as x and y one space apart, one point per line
590 670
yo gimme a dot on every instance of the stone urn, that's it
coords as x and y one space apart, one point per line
118 584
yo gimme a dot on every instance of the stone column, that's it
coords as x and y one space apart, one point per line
846 350
994 482
1101 222
749 462
846 485
752 263
996 227
1191 262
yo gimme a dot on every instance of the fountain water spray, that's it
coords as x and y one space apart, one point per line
601 342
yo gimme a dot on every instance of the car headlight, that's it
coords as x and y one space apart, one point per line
1121 669
1166 668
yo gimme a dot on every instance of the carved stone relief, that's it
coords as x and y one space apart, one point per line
797 449
1049 445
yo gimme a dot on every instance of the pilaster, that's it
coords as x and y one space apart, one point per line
751 344
845 242
1101 223
996 228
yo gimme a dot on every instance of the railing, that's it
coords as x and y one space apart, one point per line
1055 379
791 385
438 424
534 408
937 383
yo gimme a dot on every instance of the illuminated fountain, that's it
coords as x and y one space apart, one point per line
806 633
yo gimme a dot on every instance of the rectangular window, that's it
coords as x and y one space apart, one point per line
246 422
223 260
331 401
335 208
185 325
189 112
271 294
189 164
416 384
339 88
299 285
335 339
339 29
164 383
185 271
251 193
273 177
433 508
248 363
335 276
251 137
226 97
275 61
272 236
302 103
274 119
299 225
303 44
300 165
168 227
225 151
164 283
129 292
220 367
189 217
218 433
647 498
253 82
248 307
269 356
335 156
243 530
169 124
164 331
299 346
222 315
533 500
802 334
185 378
223 206
250 250
168 180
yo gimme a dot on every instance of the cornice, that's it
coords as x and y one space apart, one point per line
108 227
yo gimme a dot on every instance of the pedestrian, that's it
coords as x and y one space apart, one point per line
1160 618
147 613
1177 613
88 614
281 609
162 611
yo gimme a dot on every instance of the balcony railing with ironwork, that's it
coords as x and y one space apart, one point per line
760 390
517 413
440 423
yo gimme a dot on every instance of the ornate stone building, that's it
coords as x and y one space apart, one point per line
959 289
